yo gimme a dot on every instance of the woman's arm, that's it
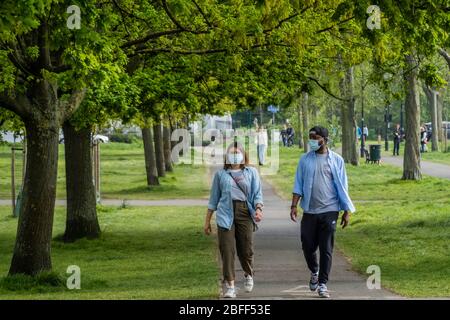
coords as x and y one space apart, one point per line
207 227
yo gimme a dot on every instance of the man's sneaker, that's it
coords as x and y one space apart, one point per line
248 283
230 293
314 281
323 291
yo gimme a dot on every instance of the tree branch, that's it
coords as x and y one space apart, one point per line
13 105
339 23
176 22
202 13
151 36
326 90
445 55
72 104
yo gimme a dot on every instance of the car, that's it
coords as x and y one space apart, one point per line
100 138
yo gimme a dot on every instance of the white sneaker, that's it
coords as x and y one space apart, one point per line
323 291
230 293
248 283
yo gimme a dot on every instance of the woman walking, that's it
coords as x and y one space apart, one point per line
236 196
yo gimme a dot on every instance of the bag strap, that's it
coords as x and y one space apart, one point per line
239 186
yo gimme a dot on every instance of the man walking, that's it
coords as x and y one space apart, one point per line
321 184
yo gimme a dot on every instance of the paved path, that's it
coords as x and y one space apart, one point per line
280 268
430 168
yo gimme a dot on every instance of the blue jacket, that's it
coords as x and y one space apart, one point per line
220 197
304 178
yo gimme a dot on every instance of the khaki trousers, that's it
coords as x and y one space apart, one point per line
239 238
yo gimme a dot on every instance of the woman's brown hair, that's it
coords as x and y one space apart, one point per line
240 147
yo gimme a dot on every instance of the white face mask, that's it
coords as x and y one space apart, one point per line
235 158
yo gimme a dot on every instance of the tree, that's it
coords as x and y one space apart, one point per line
81 200
409 31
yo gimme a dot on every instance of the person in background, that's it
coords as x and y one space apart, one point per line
236 196
290 135
423 139
358 134
284 135
365 133
397 138
321 184
261 142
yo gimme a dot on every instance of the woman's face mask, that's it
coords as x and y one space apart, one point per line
235 158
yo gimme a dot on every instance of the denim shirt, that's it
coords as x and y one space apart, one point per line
220 197
304 178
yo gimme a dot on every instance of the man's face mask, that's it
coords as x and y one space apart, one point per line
314 144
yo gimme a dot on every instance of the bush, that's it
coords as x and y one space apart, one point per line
123 138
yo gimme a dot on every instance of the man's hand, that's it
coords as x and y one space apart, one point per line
294 213
345 219
258 215
207 228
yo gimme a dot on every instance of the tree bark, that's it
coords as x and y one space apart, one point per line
150 158
32 251
299 127
82 221
305 114
432 98
440 110
167 149
411 161
348 120
434 121
159 149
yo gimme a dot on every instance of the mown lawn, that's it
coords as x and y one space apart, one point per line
401 226
122 175
143 253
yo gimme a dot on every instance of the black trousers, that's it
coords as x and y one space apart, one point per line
396 146
317 231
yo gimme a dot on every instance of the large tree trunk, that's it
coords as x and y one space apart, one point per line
348 120
167 149
150 158
432 97
411 161
32 251
305 114
440 110
82 221
159 149
299 126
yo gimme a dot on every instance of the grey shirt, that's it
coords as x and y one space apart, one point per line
236 192
324 196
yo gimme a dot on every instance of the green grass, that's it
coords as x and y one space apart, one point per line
144 253
401 226
122 175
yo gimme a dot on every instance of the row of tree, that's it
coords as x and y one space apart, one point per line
160 63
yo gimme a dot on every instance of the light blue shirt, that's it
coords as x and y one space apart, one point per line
220 199
304 179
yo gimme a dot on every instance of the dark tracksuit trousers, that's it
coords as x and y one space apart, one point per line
317 231
239 238
396 146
